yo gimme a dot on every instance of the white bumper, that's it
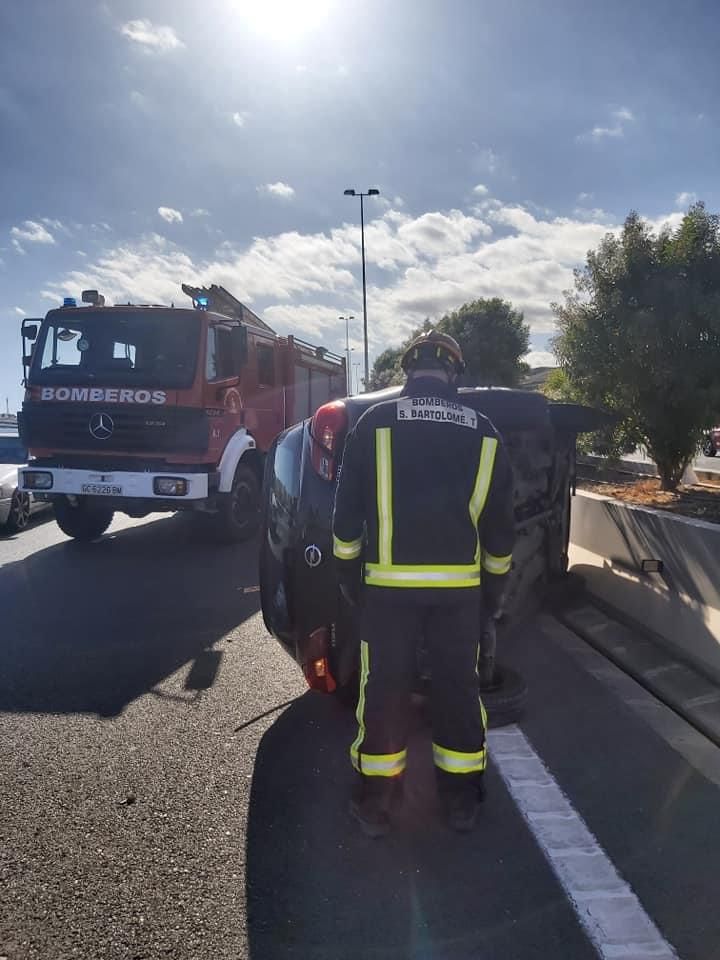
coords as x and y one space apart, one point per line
132 485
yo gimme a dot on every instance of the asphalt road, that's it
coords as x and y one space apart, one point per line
168 788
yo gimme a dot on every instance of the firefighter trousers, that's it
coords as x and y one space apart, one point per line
391 629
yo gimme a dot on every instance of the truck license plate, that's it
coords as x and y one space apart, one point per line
101 489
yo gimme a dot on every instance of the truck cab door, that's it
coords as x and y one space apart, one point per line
264 393
223 401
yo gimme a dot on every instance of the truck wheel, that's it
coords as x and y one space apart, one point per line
82 520
708 447
238 516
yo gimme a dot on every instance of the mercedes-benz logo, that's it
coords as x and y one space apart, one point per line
101 426
313 555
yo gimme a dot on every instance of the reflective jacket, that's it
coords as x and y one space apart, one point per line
425 496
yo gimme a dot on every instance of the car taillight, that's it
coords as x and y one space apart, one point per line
327 430
317 667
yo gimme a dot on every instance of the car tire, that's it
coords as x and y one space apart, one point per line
19 515
708 447
505 700
81 520
238 515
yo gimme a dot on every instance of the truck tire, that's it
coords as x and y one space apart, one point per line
708 447
238 515
82 520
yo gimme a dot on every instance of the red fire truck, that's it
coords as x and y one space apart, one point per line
141 408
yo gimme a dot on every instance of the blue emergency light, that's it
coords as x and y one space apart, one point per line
202 303
69 302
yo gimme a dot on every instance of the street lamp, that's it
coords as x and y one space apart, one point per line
356 367
372 192
348 375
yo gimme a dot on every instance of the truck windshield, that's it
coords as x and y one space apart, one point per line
149 348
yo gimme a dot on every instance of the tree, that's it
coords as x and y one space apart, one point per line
493 337
640 335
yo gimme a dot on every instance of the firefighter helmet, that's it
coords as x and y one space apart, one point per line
433 349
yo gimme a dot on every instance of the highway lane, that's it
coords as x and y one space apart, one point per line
168 788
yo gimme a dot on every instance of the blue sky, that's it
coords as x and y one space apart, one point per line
149 143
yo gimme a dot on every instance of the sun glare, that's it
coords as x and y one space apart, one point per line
283 20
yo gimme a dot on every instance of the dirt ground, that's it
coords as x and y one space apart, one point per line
701 502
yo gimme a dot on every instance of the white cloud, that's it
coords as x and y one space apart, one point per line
540 358
593 214
240 119
54 224
140 101
685 199
585 197
480 190
417 267
200 212
81 253
20 311
150 36
279 189
486 160
30 232
170 215
599 132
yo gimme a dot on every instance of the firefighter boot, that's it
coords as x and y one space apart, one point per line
372 798
462 803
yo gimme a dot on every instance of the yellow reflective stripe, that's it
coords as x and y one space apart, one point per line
466 569
496 565
383 473
453 761
360 712
377 575
380 764
347 549
483 711
482 483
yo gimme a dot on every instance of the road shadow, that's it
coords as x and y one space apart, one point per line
91 627
318 890
37 520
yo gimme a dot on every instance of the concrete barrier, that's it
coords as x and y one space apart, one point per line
609 541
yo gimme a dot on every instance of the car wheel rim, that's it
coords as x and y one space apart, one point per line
20 511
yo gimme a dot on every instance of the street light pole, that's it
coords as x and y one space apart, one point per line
348 372
372 192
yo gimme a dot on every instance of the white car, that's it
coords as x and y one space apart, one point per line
16 507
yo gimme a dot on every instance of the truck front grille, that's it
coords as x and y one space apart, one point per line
67 426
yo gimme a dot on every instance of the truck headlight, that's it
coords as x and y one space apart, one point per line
170 486
37 480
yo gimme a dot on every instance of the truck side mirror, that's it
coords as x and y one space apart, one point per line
239 346
30 331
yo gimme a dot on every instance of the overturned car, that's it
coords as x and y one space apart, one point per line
301 603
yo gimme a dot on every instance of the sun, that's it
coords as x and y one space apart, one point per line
283 20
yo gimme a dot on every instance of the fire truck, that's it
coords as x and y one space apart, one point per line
139 408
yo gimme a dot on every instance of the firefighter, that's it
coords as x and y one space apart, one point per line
422 536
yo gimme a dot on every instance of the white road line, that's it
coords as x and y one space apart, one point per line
613 917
